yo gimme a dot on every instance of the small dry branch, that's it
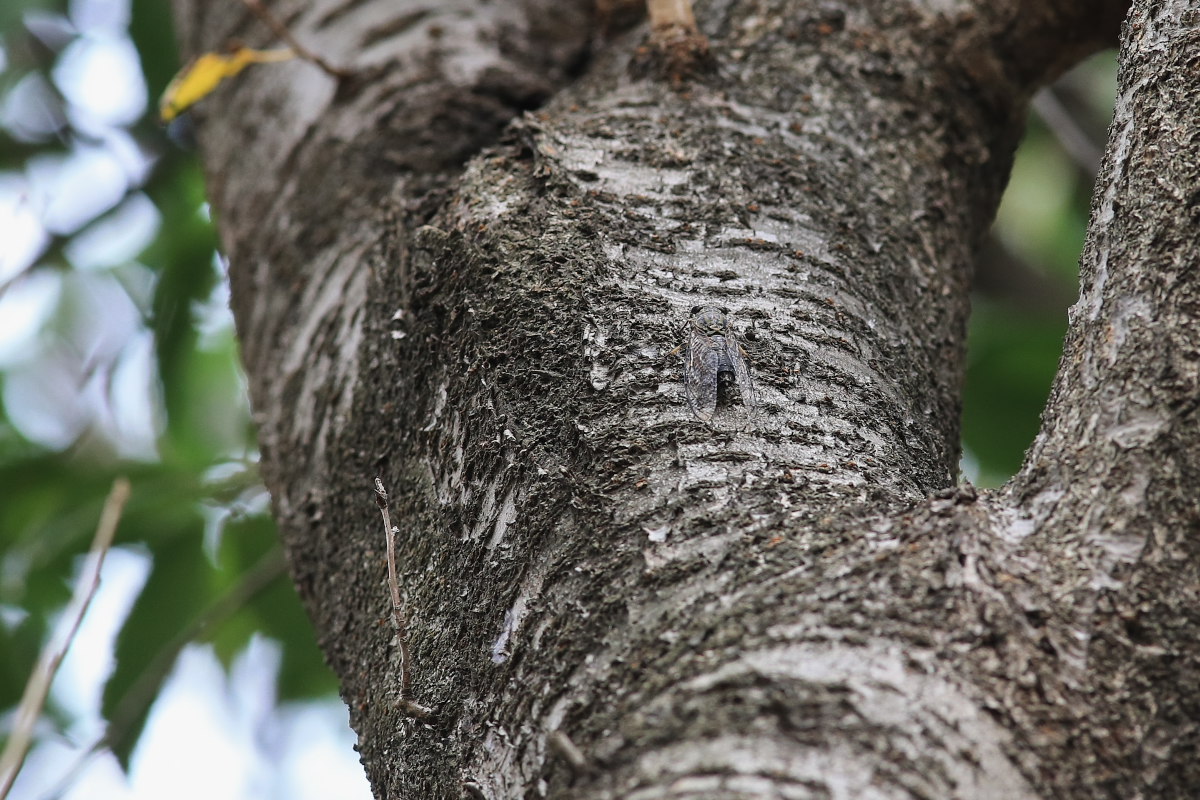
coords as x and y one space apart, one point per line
674 33
399 617
565 749
43 674
142 693
279 29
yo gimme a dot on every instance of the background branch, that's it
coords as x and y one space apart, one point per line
42 677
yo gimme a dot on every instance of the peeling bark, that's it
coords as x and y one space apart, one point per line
465 270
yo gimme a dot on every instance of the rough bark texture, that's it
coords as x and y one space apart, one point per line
480 306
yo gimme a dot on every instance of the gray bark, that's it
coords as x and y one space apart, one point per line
609 598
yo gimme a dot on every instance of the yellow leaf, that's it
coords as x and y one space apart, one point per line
205 73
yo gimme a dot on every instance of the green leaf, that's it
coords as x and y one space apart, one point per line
1012 361
153 34
215 420
12 12
50 509
274 612
245 541
20 646
178 588
303 672
183 255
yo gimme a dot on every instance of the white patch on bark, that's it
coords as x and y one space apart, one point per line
657 535
451 469
739 766
1140 427
508 513
531 587
1014 525
1130 314
707 547
594 340
487 509
340 289
1121 142
882 685
439 405
1124 537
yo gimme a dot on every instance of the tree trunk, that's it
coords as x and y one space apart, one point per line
608 597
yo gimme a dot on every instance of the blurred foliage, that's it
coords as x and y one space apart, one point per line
198 509
1028 271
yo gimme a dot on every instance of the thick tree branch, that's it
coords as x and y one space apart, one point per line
1026 44
434 84
436 81
1111 482
794 601
1126 397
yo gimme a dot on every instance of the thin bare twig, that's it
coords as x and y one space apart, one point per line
562 745
674 33
279 29
43 674
261 575
399 617
672 15
473 790
414 710
1075 141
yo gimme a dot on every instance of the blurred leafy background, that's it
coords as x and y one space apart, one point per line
196 673
1027 272
118 357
